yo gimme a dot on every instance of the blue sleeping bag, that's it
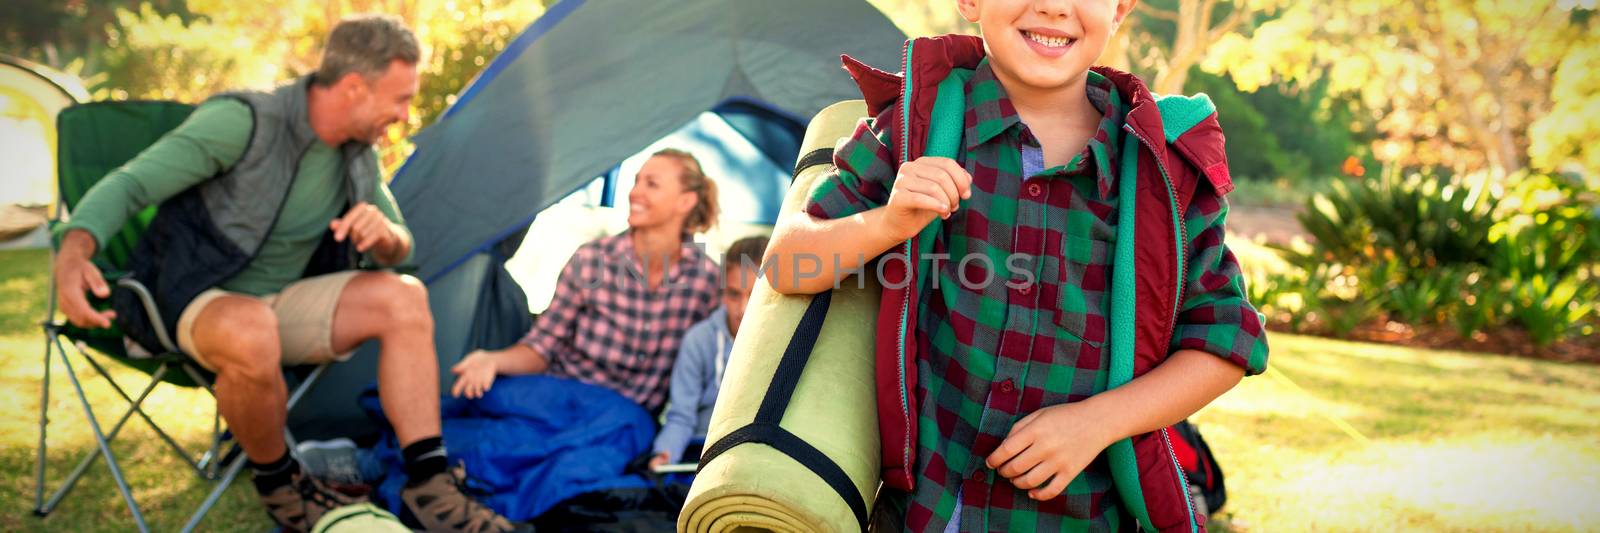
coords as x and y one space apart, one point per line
531 442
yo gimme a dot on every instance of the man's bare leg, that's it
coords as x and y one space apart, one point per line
394 310
239 338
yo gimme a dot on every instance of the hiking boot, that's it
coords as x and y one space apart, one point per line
441 504
298 505
319 498
285 508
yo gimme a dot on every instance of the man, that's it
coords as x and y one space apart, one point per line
270 201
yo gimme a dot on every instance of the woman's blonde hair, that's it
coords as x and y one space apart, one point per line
704 214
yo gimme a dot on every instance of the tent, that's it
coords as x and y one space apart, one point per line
538 151
30 97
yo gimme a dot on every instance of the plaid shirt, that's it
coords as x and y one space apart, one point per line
607 327
1036 335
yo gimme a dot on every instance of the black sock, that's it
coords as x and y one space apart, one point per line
269 476
424 459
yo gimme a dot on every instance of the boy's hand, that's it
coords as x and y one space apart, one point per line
1048 448
658 460
926 188
474 374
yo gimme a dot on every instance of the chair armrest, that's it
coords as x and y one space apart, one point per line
156 321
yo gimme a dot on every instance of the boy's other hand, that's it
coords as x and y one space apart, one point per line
1048 448
658 460
474 374
927 188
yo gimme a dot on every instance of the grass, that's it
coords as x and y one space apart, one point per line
167 491
1336 436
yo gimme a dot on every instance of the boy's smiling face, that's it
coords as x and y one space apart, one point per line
1044 45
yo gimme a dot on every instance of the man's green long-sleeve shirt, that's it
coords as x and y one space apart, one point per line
210 140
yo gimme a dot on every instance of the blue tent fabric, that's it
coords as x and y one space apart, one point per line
532 442
580 91
584 87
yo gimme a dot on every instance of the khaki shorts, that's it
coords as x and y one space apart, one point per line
305 319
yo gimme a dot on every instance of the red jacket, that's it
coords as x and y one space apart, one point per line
1170 170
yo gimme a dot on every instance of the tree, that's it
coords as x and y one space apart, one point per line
1451 83
1563 136
56 33
176 50
920 18
1169 37
1164 38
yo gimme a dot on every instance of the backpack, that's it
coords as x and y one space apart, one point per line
1205 475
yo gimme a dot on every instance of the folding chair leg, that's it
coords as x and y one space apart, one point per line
100 440
238 461
44 422
138 408
210 461
88 459
234 468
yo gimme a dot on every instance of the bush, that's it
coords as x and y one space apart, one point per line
1482 305
1550 311
1431 249
1422 221
1414 299
1275 133
1549 226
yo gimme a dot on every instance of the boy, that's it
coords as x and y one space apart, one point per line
697 374
995 401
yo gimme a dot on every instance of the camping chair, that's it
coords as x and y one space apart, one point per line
94 139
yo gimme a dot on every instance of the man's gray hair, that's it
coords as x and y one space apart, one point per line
365 45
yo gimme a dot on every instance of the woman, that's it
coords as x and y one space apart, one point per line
622 303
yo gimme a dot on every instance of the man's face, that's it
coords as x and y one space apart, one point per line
380 102
736 292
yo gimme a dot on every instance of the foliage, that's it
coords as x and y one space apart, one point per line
172 49
1421 221
1482 305
1165 39
1564 133
1547 247
1549 226
157 56
1431 249
1412 298
919 18
1335 298
1550 307
1277 134
1452 84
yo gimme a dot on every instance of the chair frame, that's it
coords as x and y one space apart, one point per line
213 465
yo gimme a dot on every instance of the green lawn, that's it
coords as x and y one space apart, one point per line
165 487
1337 436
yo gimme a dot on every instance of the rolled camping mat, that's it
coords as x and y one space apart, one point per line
794 433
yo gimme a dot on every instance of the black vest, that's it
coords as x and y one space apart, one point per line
207 234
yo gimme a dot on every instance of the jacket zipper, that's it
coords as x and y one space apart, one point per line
911 265
1178 223
1183 260
1183 479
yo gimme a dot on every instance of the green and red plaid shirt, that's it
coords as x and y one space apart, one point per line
1026 327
